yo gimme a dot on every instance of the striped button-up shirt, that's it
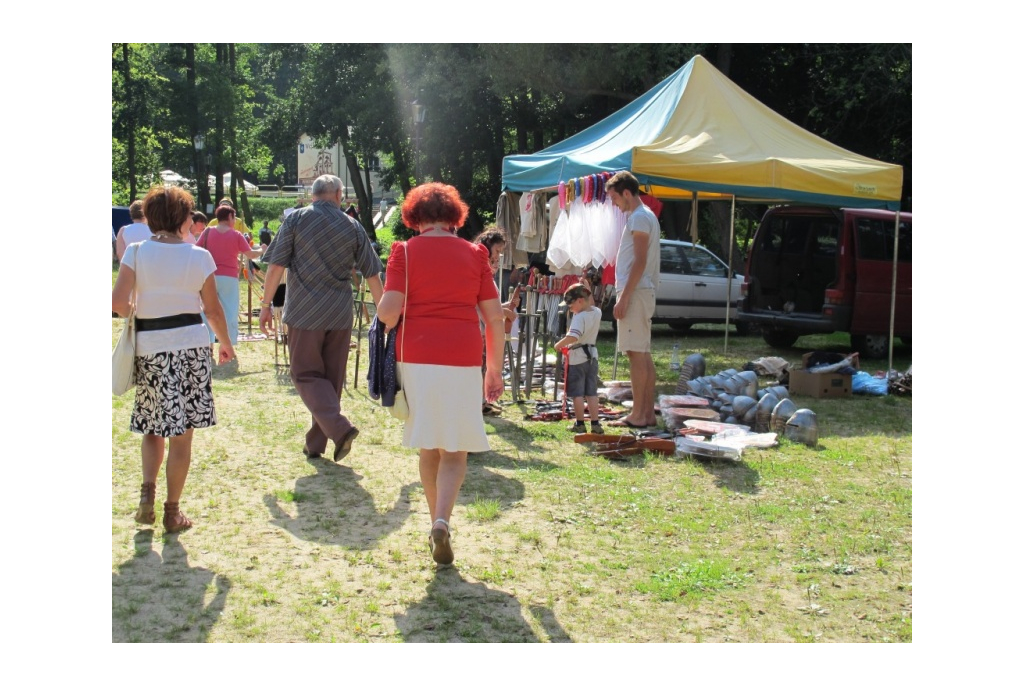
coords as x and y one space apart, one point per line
320 245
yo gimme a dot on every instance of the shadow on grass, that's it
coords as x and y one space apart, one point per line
456 610
483 484
732 475
510 427
498 460
160 598
333 508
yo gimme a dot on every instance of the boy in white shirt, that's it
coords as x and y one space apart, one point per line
579 344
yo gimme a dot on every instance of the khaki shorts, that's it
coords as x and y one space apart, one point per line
635 328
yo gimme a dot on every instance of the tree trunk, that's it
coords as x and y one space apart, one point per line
131 122
198 156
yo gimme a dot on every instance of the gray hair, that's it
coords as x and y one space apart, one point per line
326 185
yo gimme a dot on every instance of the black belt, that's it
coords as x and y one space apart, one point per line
162 323
586 350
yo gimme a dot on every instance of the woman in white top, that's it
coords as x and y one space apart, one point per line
173 357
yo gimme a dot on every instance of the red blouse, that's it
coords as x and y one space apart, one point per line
448 279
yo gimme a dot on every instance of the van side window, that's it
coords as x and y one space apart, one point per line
875 240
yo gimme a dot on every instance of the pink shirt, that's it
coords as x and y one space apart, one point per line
225 248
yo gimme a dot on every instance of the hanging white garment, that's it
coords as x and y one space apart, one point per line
551 217
579 236
614 235
558 248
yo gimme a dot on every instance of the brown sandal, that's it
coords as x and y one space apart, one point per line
174 520
145 514
441 544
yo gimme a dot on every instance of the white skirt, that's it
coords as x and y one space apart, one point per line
445 407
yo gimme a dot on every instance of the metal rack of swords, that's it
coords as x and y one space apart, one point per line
541 324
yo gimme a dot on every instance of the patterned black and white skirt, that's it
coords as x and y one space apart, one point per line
173 392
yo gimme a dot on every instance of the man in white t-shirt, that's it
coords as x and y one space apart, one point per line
132 233
637 271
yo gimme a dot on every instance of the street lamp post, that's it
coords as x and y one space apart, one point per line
419 113
202 187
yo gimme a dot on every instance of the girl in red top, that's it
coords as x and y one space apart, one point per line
439 345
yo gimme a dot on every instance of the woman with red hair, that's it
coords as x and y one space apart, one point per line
435 283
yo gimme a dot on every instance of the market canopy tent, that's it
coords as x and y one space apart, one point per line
698 132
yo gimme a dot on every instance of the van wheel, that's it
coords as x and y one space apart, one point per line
743 328
779 338
680 326
871 346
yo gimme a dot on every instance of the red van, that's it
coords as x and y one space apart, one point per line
821 270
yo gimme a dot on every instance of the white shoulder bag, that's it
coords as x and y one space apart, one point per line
123 358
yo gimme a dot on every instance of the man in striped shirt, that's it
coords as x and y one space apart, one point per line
320 246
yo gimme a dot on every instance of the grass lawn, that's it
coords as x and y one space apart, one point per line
552 543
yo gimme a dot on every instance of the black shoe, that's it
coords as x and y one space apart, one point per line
342 448
311 455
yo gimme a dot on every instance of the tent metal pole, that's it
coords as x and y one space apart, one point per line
728 285
892 304
693 219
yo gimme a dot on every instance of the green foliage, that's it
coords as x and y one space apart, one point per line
483 102
269 208
701 577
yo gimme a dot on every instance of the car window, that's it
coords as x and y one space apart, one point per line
703 263
875 239
826 239
672 260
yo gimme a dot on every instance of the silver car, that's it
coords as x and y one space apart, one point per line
693 288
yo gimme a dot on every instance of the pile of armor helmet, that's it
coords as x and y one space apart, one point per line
736 397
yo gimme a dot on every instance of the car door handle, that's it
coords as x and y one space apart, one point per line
700 284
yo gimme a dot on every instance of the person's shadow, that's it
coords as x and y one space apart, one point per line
334 509
456 610
160 598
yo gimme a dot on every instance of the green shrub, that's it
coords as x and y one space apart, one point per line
269 209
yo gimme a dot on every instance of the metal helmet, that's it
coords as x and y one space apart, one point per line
781 413
780 391
762 421
741 404
750 416
733 385
693 366
706 389
802 426
748 383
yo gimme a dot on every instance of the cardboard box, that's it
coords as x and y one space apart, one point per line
824 385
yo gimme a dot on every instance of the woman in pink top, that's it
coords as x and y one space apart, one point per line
225 244
439 345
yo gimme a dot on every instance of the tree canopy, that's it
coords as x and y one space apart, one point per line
251 102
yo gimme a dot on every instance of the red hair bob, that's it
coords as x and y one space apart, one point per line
432 203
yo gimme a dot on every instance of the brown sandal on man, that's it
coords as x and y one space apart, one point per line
145 514
174 520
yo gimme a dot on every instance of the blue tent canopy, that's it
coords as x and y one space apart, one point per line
698 132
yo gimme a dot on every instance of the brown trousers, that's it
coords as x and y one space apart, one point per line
318 362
